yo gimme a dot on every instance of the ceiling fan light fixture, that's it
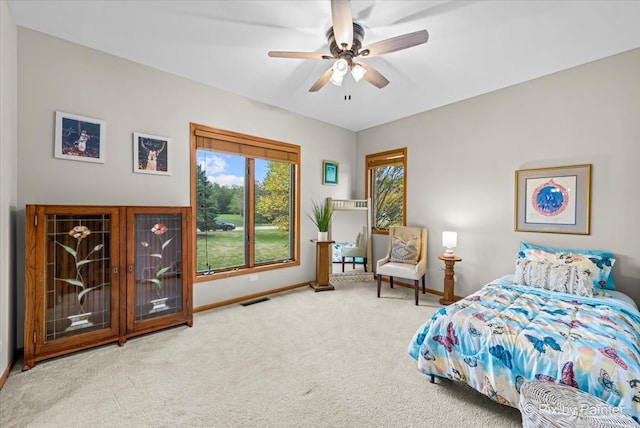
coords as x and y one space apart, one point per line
340 67
336 78
357 71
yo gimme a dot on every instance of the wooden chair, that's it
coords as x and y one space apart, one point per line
406 257
360 250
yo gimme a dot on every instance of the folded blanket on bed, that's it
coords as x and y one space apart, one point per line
504 334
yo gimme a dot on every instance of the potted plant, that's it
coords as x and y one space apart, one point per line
321 216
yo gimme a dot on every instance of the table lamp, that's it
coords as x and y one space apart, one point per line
449 241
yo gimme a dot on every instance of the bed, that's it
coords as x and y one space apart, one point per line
515 329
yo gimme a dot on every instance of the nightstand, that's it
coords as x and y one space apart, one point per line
448 297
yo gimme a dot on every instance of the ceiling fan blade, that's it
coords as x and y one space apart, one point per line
323 80
342 22
298 55
395 43
373 76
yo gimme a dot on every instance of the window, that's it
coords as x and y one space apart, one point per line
386 186
245 201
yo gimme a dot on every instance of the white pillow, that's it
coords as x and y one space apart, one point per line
600 266
576 280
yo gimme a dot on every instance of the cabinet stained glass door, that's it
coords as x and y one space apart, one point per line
75 295
158 253
156 272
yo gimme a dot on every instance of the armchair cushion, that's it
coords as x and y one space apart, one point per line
357 249
405 251
401 270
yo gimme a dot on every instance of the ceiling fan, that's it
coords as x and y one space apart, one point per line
345 44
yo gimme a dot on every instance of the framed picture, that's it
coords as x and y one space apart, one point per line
79 138
329 172
151 154
555 200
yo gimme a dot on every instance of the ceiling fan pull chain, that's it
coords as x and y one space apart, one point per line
347 92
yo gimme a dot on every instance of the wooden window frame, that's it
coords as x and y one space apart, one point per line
235 143
376 160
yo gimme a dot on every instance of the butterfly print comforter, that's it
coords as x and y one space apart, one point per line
504 334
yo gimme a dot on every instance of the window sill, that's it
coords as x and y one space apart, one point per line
221 274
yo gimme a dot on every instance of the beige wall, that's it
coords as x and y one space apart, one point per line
59 76
8 182
462 159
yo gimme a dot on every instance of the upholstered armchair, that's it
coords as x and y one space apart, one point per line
360 250
406 257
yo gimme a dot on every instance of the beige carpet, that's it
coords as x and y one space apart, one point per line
301 359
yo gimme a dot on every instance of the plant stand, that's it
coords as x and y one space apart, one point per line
323 266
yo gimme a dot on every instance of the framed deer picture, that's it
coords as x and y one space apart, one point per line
151 154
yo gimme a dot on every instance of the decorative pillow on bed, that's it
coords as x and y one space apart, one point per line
599 262
554 277
405 251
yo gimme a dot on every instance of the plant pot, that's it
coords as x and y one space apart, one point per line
323 236
159 305
79 321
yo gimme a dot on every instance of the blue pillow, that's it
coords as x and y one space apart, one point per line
527 245
603 259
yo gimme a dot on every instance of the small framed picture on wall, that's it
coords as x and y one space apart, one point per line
151 154
79 138
329 173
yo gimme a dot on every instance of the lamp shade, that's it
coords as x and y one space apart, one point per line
357 71
449 240
336 78
340 68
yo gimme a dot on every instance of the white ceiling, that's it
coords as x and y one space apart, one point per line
474 47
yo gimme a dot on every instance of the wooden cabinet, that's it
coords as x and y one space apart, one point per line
159 269
100 274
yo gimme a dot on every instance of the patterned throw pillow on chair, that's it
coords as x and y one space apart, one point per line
405 251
